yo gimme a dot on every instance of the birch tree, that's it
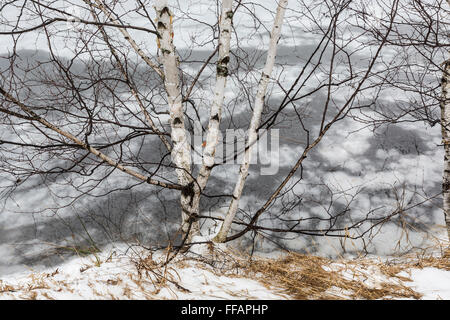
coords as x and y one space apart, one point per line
420 40
445 123
113 99
181 151
255 121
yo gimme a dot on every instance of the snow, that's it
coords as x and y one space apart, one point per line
110 275
116 277
433 283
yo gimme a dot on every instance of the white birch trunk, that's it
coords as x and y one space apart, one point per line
445 123
212 136
254 123
181 150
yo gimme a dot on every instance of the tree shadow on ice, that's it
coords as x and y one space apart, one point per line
379 155
129 216
152 217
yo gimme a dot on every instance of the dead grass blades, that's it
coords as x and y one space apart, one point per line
310 277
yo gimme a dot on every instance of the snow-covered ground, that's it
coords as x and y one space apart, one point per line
109 275
433 283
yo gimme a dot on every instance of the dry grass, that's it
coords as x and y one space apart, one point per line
293 276
4 288
311 277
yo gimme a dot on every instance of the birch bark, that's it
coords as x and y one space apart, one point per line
212 136
254 123
445 124
181 149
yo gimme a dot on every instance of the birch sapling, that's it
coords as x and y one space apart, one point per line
254 123
212 136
